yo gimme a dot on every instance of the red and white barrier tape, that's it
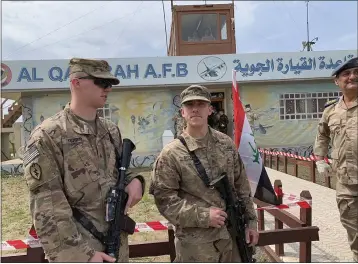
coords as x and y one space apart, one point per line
310 158
33 242
301 203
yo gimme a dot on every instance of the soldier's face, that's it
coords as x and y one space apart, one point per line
348 80
91 94
196 112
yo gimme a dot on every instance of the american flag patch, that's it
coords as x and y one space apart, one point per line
30 154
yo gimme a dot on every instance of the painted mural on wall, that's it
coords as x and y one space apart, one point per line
141 116
285 116
47 105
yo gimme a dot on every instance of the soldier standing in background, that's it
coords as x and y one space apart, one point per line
69 166
212 119
251 117
179 123
182 197
339 126
223 122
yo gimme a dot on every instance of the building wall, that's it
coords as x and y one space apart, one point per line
141 115
271 131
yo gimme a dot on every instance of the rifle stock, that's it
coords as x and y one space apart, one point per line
237 223
116 201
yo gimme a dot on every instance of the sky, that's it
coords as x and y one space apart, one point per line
120 29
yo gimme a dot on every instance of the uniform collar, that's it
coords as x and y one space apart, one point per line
82 127
192 143
342 104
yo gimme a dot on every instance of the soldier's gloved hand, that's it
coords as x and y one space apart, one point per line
323 168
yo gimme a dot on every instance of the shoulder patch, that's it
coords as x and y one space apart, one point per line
30 154
35 171
331 102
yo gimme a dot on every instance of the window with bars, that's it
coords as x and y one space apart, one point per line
303 106
105 112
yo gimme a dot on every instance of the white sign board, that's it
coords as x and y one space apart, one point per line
175 70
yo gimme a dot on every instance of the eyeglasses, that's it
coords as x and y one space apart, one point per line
103 83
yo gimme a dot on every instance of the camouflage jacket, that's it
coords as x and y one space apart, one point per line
339 127
183 198
66 165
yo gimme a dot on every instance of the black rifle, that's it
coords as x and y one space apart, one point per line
237 223
116 201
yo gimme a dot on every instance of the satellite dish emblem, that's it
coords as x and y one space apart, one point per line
212 68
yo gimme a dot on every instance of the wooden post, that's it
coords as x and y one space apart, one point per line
264 158
279 248
36 255
295 167
285 164
328 182
260 219
270 160
277 162
313 171
171 238
306 217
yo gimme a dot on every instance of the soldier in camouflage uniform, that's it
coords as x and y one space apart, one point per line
69 164
197 211
179 124
339 126
223 122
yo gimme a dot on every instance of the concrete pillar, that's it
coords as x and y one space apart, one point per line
5 146
18 137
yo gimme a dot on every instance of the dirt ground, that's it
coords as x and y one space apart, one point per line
16 219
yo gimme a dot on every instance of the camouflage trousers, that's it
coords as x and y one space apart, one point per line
223 250
347 201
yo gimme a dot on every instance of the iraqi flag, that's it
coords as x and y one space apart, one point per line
260 183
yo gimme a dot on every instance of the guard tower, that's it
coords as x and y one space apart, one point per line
202 30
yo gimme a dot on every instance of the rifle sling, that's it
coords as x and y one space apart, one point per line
199 167
84 221
88 225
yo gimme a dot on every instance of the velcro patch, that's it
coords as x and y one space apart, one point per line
30 154
35 171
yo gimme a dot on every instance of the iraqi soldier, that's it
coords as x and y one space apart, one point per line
69 166
182 197
338 127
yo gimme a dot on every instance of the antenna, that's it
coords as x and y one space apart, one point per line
308 30
308 44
